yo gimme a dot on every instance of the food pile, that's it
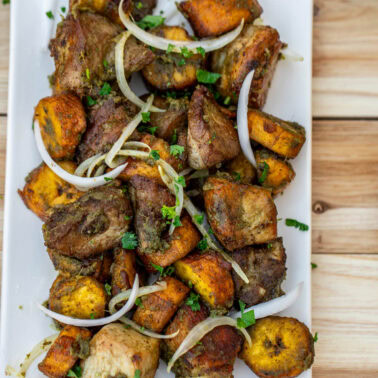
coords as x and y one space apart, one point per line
159 216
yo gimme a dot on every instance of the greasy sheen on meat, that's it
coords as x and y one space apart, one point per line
212 137
264 266
239 214
91 225
119 352
82 46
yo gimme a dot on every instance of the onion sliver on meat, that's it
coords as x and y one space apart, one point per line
163 43
96 322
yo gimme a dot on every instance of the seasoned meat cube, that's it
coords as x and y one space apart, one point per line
211 277
71 344
214 17
157 309
82 46
280 172
145 168
213 357
239 214
62 122
282 137
119 352
44 189
257 47
79 297
155 245
241 169
171 71
281 348
212 137
123 270
106 122
264 266
93 224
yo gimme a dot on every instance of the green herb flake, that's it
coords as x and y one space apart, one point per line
181 62
63 9
106 64
108 289
92 315
49 14
170 48
105 90
236 176
186 53
207 77
174 137
202 245
190 284
6 2
201 51
199 218
264 173
107 179
177 221
138 302
227 100
137 374
75 372
294 223
91 101
149 22
129 240
168 212
270 245
315 337
127 217
155 155
159 268
193 302
181 181
146 117
139 5
313 265
176 150
247 318
88 74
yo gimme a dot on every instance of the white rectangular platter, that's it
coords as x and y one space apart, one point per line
27 271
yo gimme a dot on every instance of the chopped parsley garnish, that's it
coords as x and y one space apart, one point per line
199 218
137 374
264 173
177 221
247 318
108 289
105 90
6 2
207 77
49 14
170 48
294 223
236 175
168 271
149 129
155 155
146 117
270 245
174 137
315 337
138 302
149 22
168 212
91 101
159 268
108 179
202 245
313 265
190 284
88 74
75 372
185 52
92 315
127 217
193 302
129 240
181 181
227 100
63 9
105 63
181 62
176 150
139 5
201 51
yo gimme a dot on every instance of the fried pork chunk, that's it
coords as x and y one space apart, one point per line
213 357
123 270
93 224
214 17
264 265
258 48
155 245
239 214
106 122
212 137
83 51
119 352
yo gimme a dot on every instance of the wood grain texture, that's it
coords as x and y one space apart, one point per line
345 69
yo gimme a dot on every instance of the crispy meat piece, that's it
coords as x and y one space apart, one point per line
264 266
212 137
119 352
239 214
241 169
214 17
257 47
82 45
93 224
214 357
123 270
106 122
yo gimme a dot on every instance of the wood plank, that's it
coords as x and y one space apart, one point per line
345 308
345 66
344 185
4 57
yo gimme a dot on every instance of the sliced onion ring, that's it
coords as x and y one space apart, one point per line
84 166
275 305
163 43
121 78
242 119
37 350
96 322
146 332
80 182
124 295
292 55
199 331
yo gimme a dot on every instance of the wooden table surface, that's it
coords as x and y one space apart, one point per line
345 183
